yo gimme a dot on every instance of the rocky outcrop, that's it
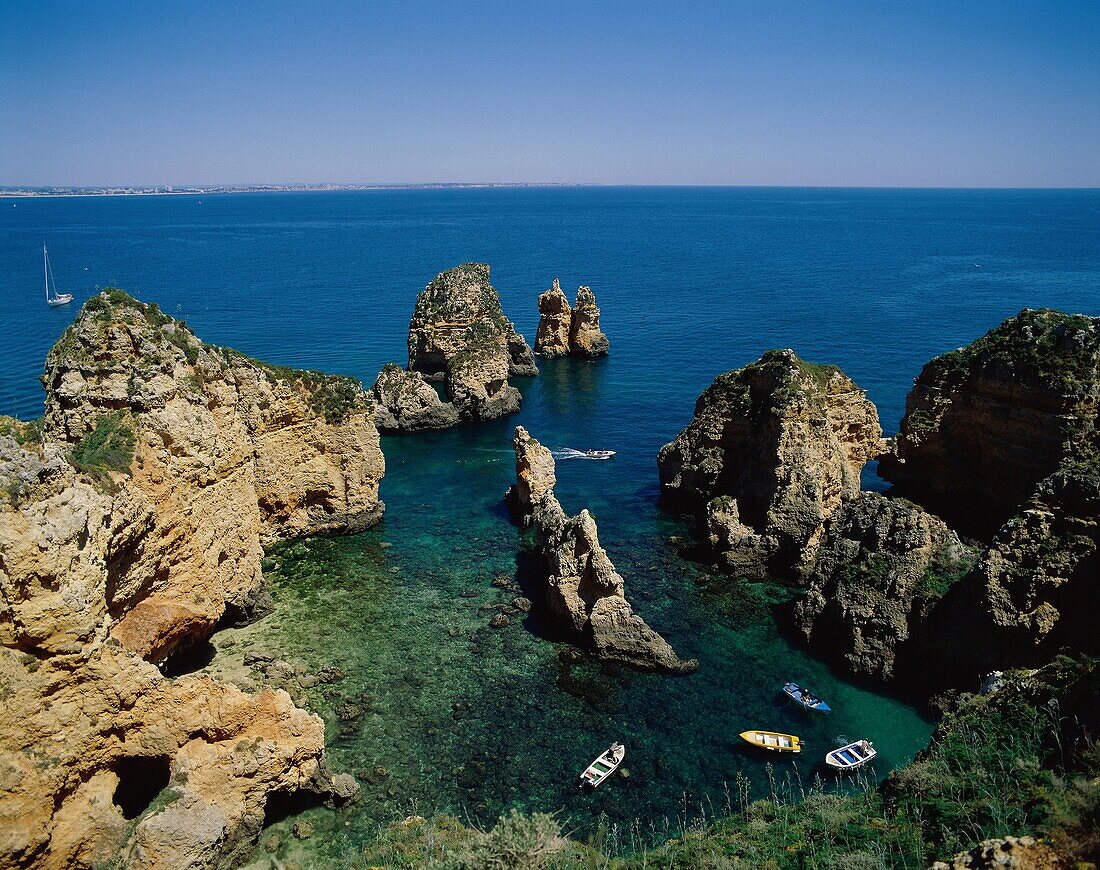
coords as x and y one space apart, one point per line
555 319
132 521
580 587
459 335
773 450
585 337
227 454
985 423
1034 590
1007 853
883 565
569 331
405 402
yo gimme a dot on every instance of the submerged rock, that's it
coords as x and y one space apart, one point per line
566 330
458 334
986 423
135 520
405 402
773 449
583 591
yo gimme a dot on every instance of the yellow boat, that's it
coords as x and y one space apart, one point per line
772 740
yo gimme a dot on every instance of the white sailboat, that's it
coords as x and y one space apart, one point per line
52 298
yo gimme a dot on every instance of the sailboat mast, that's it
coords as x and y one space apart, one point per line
45 272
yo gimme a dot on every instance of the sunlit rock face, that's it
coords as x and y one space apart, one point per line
773 450
580 587
459 335
133 522
566 330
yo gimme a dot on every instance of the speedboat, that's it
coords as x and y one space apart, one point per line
805 699
602 767
773 741
598 454
851 756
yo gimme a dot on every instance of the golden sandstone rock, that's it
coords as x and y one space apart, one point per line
133 522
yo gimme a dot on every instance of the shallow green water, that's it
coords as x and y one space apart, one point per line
457 716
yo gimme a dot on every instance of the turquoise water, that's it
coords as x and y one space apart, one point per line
440 711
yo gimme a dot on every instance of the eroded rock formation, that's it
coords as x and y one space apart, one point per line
582 590
131 522
882 567
405 402
985 423
555 319
773 449
459 335
566 330
585 337
1035 588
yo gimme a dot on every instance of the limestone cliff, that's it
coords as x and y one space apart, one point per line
773 449
585 337
882 567
458 334
132 520
985 423
566 330
405 402
582 591
1035 589
555 317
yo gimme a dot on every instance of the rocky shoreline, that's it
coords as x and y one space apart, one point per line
135 515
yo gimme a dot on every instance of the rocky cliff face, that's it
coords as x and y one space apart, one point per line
458 334
569 331
582 590
1034 589
405 402
985 423
883 565
555 318
773 449
585 337
131 522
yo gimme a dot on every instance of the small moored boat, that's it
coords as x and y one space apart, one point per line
602 767
805 699
772 740
851 756
53 298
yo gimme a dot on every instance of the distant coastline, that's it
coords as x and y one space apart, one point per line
177 190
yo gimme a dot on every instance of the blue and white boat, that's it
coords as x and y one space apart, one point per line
851 756
804 698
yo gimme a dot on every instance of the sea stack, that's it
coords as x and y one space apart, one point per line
134 520
581 589
555 323
458 335
773 449
566 330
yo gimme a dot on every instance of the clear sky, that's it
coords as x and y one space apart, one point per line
965 92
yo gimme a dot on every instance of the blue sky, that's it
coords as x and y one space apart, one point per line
811 93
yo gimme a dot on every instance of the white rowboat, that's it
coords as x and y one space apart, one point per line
851 756
602 767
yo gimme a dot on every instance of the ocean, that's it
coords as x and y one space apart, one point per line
451 714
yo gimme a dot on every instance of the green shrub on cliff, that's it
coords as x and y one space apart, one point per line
108 447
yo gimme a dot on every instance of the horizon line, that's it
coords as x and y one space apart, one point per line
173 189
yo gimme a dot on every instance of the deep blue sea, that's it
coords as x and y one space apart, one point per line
457 716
